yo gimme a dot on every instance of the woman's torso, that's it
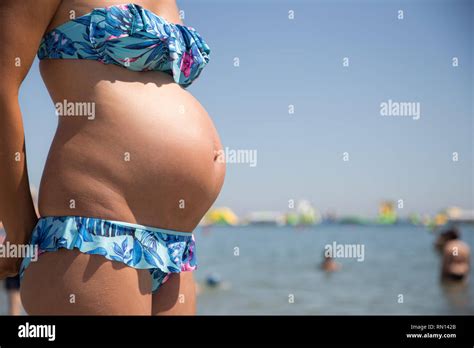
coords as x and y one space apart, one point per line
147 156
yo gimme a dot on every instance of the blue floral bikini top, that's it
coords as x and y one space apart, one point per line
132 37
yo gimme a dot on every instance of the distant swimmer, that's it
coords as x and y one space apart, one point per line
213 280
329 265
456 261
443 238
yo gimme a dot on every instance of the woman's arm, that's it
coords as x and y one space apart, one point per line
22 24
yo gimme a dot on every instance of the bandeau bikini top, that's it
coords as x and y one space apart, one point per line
132 37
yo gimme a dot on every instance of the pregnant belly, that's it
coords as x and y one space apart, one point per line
141 150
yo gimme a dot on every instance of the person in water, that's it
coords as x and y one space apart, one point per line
455 261
134 164
12 286
329 264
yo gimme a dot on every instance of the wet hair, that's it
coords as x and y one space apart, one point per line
451 234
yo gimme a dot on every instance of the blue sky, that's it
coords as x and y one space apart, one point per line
337 109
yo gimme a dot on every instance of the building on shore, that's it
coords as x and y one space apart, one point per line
264 218
455 214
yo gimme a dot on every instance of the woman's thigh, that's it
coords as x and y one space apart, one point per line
68 282
177 296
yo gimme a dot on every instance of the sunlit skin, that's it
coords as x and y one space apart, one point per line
456 260
149 156
330 265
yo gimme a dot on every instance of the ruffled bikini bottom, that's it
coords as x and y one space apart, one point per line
160 251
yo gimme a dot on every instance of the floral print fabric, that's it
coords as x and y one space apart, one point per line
160 251
132 37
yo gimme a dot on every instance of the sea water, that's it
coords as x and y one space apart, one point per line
276 270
